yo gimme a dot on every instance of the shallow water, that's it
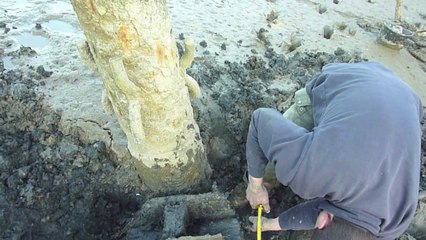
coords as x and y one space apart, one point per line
8 63
58 26
33 41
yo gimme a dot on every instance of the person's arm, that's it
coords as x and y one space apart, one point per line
273 137
256 159
302 216
305 216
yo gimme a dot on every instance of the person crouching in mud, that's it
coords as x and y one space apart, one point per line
351 145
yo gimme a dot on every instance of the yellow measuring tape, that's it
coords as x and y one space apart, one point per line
259 222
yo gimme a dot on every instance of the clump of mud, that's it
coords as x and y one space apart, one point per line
52 185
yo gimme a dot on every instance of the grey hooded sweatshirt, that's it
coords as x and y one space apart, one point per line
361 161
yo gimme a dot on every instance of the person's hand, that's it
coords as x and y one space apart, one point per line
268 224
257 194
324 219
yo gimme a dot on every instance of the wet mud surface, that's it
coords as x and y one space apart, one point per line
55 186
52 185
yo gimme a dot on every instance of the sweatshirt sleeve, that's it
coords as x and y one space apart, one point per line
302 216
256 159
275 138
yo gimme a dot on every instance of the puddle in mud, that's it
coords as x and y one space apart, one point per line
33 41
7 62
58 26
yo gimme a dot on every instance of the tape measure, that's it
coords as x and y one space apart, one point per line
259 222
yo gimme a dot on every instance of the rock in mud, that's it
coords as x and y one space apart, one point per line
262 37
68 149
352 31
175 220
3 88
43 72
96 150
203 44
322 8
229 228
295 42
237 197
272 17
202 207
339 51
328 32
223 46
341 26
418 227
367 26
26 195
3 163
406 236
19 91
219 151
24 51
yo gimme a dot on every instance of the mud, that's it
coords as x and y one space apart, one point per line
57 186
54 185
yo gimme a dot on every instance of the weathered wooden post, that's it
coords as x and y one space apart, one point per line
398 10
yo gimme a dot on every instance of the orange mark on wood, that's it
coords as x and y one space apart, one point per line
160 52
172 54
123 35
91 6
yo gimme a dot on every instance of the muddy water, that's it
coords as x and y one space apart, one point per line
31 40
59 26
7 61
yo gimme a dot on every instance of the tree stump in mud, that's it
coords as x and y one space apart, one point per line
129 43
